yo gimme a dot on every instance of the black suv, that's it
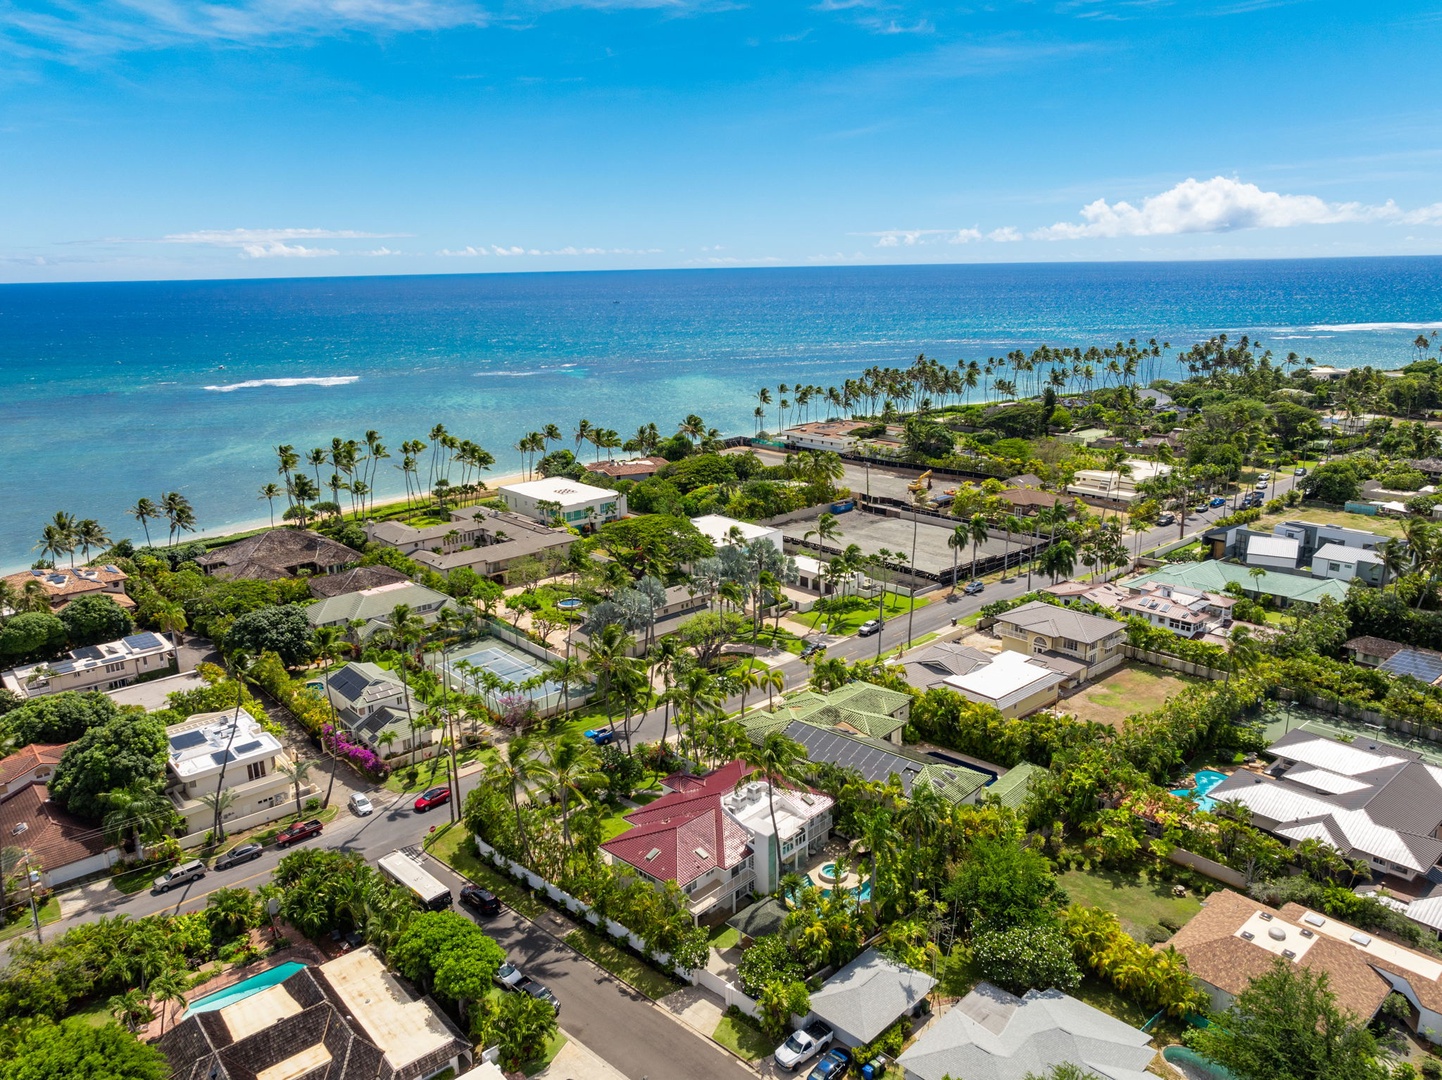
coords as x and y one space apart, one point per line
484 902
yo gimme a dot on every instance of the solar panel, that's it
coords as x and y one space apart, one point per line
141 642
186 739
246 748
1420 665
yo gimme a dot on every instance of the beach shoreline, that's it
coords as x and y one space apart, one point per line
234 530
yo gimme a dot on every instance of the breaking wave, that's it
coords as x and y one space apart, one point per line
327 380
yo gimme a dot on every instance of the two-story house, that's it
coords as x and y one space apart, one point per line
716 842
228 752
62 584
1042 629
374 606
1188 613
94 667
374 707
486 541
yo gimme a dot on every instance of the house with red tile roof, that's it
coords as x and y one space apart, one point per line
706 833
32 765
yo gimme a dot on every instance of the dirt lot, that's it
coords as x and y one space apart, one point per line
1131 688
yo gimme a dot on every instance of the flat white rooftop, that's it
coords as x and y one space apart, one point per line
717 528
208 740
559 489
1009 675
751 808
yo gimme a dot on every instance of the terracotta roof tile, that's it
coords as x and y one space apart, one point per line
25 761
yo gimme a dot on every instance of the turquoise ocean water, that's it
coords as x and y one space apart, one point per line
113 391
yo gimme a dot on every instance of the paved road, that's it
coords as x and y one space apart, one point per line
617 1023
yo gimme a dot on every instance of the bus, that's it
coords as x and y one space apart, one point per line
402 869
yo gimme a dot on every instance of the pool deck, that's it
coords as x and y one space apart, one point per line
303 953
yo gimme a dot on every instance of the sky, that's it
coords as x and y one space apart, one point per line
157 139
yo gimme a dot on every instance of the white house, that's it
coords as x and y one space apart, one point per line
1188 613
1345 563
1273 552
1117 486
94 667
374 606
721 531
371 704
1012 683
803 822
252 759
577 504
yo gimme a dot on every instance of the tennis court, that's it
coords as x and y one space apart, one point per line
506 662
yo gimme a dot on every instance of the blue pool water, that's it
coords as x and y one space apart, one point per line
1206 780
243 989
863 893
1194 1066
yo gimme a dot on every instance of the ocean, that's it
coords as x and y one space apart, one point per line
110 392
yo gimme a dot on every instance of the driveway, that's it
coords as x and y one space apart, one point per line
623 1027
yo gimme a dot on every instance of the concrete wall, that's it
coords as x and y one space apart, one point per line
1172 663
1213 870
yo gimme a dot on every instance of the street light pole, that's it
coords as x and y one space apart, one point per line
34 911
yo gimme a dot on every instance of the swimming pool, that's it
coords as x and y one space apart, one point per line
1206 780
243 989
1195 1067
863 893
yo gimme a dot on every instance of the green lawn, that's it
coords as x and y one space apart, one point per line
49 912
622 964
1139 900
457 850
1383 526
724 937
553 1047
742 1039
848 622
615 823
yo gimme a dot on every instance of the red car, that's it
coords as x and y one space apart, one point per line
436 796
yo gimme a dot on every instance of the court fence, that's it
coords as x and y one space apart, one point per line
513 661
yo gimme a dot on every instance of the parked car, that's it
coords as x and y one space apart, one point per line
833 1065
180 874
508 976
301 830
1300 470
1264 476
242 853
432 797
1166 518
974 588
361 805
483 900
600 736
811 648
537 990
800 1045
1217 501
1260 485
869 627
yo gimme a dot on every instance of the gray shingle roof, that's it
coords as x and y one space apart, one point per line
870 994
993 1035
1039 617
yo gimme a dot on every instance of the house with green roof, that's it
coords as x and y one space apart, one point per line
858 707
1012 789
1214 576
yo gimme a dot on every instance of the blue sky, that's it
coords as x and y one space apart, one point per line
145 139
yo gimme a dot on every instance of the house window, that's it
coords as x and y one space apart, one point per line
1334 567
255 770
117 666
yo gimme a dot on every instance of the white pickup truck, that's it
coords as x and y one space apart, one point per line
803 1044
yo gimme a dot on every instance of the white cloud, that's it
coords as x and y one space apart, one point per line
1426 215
471 251
1208 206
896 238
248 237
274 249
1004 235
383 250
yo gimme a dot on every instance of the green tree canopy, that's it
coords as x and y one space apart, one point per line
58 718
1286 1026
1000 885
31 634
1334 482
126 752
283 630
76 1050
1026 958
93 619
446 952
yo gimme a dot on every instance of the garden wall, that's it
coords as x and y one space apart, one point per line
727 992
1364 716
1202 865
576 907
1171 663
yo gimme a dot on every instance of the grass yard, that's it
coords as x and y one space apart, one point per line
49 913
742 1039
724 937
435 771
1383 526
848 622
458 851
615 823
1131 688
622 964
548 1055
1138 899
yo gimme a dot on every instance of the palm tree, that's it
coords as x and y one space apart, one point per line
218 802
569 770
59 537
143 511
516 770
131 1009
608 650
1012 524
239 662
328 643
178 512
139 810
298 773
958 539
775 760
1257 573
976 531
167 988
404 629
270 492
90 534
170 619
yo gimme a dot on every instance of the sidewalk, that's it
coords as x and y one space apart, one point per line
577 1062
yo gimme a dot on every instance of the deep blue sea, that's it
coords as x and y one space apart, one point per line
113 391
